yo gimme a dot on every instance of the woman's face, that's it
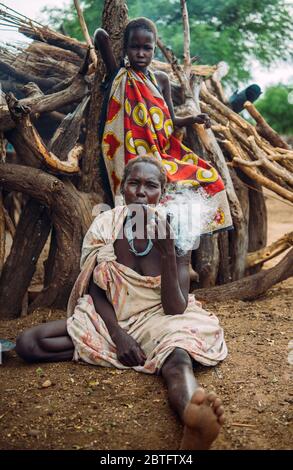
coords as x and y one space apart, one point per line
143 185
140 49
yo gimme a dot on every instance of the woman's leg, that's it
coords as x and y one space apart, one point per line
201 413
49 342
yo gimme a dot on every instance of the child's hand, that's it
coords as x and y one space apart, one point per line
203 119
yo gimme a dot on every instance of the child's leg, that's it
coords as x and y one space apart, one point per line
48 342
201 413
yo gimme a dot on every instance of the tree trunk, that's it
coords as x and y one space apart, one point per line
49 262
114 19
66 216
224 273
31 234
207 260
239 236
250 287
258 222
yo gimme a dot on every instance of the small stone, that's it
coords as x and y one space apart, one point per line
33 432
47 383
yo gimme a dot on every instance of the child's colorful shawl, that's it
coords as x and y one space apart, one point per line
138 122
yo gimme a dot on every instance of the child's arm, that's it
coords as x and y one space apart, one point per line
103 44
179 121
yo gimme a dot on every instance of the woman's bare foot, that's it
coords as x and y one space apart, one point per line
203 418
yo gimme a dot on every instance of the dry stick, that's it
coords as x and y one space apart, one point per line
272 167
246 127
255 175
246 149
263 127
173 61
33 139
83 26
269 252
243 425
186 33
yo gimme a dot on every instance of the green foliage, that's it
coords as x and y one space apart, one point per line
66 20
276 107
230 30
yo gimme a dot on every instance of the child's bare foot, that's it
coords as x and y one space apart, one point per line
203 418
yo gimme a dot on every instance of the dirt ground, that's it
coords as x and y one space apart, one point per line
88 407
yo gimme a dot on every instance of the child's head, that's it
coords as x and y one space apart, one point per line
139 42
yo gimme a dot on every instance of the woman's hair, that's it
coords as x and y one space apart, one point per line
139 23
150 159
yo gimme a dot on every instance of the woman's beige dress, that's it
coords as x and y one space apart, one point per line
137 302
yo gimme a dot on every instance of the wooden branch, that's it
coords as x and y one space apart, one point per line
73 94
246 162
272 167
45 34
66 218
250 287
269 252
186 35
86 33
114 20
263 127
2 146
258 220
223 109
9 223
23 77
68 132
224 272
257 176
30 137
31 234
201 70
207 259
172 59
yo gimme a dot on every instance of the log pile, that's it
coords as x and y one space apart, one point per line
49 110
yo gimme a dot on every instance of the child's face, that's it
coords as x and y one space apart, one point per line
140 49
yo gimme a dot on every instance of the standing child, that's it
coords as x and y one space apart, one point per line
140 119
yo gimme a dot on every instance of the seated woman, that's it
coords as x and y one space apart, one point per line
138 118
131 308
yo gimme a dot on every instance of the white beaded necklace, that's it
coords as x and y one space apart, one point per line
129 235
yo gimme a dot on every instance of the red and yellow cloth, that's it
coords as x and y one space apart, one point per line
138 123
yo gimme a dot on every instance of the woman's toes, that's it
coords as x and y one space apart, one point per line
221 419
219 411
211 397
217 403
198 396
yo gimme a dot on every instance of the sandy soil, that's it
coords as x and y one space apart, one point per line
94 408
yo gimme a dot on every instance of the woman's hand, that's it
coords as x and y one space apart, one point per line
161 233
129 352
